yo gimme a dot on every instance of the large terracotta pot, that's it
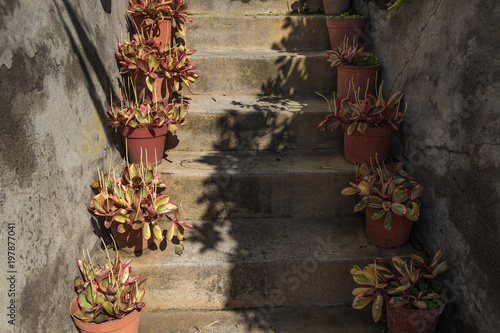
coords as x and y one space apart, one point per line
397 236
358 78
350 30
401 320
127 324
162 87
336 7
161 31
130 241
146 142
372 145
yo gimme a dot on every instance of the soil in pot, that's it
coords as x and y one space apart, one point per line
356 78
374 144
127 324
397 236
345 29
161 31
144 144
400 320
130 241
336 7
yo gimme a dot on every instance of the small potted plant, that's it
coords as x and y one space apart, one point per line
157 70
153 18
346 26
391 201
357 70
109 299
132 207
415 297
144 125
368 124
336 7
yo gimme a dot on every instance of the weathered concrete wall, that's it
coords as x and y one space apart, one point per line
445 56
56 69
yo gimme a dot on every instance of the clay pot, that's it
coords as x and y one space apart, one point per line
372 145
130 241
127 324
400 320
161 31
350 30
359 78
162 87
150 142
397 236
336 7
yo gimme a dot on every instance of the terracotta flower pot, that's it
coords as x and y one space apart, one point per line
358 78
161 32
130 241
397 236
127 324
348 29
402 319
336 7
375 142
162 87
150 142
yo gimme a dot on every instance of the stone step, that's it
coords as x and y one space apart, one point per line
277 32
233 184
219 122
263 320
263 72
255 263
250 6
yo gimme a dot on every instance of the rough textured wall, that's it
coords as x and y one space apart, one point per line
445 56
56 69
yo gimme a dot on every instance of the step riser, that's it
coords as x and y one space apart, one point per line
254 131
258 285
248 7
277 75
275 195
258 32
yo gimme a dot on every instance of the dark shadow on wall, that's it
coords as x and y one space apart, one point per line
91 64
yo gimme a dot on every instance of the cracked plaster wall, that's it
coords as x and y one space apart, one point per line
57 69
444 55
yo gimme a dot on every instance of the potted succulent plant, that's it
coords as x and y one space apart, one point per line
345 26
132 207
368 124
357 70
109 299
144 125
153 18
391 201
157 70
415 297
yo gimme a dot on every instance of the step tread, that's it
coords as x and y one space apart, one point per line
263 320
255 162
254 53
263 240
217 103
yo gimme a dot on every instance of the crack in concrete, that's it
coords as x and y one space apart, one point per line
417 45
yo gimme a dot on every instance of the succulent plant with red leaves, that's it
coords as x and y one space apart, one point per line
146 57
347 55
126 112
409 282
372 111
133 201
108 293
385 193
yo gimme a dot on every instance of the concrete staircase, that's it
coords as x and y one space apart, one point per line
274 239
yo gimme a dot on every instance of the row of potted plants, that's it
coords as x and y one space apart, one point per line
132 204
413 295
